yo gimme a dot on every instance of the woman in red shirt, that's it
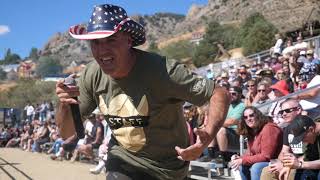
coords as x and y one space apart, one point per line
264 143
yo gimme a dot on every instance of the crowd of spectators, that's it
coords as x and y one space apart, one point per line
257 115
38 133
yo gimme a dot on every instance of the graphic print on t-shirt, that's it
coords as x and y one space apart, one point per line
296 148
126 120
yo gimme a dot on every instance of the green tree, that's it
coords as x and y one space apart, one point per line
3 74
26 91
34 54
256 34
178 50
215 33
10 58
48 65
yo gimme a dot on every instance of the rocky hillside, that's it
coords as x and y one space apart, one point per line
286 15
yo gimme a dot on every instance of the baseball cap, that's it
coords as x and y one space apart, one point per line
299 126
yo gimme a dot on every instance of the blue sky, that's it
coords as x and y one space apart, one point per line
30 23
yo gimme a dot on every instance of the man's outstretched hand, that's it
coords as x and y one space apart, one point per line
194 151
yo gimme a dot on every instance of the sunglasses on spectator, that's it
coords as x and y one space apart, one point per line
261 90
243 73
289 110
251 85
234 93
250 115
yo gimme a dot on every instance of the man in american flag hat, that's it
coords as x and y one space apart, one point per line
141 96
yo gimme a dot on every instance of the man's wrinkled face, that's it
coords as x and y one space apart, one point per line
111 52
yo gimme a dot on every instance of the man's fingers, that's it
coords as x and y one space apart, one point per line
69 101
188 154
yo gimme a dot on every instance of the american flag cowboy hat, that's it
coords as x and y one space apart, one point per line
106 20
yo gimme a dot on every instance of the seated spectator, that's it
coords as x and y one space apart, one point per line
26 135
244 75
210 74
264 143
311 57
94 139
55 137
288 49
300 45
15 138
290 109
280 75
42 137
236 82
310 100
103 153
233 74
252 92
261 98
279 89
309 69
5 136
191 116
306 130
68 146
227 137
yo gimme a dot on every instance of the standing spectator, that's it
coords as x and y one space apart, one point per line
51 111
30 112
278 47
43 111
264 143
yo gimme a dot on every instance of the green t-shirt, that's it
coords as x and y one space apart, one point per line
144 111
235 112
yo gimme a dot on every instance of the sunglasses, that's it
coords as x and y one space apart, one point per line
250 115
252 85
289 110
234 93
243 73
261 90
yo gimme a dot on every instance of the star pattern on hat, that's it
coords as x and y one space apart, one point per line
110 19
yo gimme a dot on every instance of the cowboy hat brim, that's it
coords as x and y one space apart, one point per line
89 36
133 28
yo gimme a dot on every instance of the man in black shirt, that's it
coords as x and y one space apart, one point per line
306 130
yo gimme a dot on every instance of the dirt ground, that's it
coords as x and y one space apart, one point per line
16 164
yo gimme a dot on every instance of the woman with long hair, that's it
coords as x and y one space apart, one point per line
264 143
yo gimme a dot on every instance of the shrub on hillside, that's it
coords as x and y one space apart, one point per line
256 34
26 91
